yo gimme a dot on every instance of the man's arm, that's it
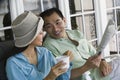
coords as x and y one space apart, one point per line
91 63
78 72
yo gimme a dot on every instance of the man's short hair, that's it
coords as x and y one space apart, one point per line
50 11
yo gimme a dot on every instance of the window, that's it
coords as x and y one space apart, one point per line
113 11
5 21
38 5
92 21
83 18
12 8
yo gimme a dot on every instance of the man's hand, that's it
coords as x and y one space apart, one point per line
105 68
93 61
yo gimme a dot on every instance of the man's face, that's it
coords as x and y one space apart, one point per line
54 25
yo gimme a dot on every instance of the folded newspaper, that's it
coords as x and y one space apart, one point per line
110 31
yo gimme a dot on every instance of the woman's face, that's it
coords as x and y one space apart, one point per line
38 40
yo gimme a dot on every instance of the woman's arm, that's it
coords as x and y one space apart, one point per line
14 72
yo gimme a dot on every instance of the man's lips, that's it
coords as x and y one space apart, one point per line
57 32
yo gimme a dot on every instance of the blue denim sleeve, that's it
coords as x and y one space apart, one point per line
66 76
13 72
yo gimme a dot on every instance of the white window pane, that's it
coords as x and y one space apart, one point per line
32 5
119 41
5 21
95 44
112 45
88 5
90 26
35 5
76 23
3 6
118 17
49 3
111 2
75 6
117 2
110 14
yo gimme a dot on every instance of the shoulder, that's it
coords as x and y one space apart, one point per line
16 60
75 34
75 30
50 41
15 57
43 51
12 61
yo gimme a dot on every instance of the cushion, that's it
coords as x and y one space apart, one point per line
7 49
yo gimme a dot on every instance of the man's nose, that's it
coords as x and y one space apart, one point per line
55 27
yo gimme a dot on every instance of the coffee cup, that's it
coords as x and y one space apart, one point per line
65 59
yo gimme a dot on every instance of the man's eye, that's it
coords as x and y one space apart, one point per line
47 26
58 23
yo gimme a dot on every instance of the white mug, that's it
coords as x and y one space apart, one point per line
64 59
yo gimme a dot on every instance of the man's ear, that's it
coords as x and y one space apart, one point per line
64 19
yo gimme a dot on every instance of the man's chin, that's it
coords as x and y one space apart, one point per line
56 37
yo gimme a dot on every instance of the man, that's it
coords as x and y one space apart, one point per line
59 40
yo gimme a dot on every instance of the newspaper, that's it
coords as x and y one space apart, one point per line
110 31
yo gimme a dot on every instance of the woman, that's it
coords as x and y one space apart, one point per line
33 63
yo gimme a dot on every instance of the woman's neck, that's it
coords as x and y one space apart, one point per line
31 55
30 50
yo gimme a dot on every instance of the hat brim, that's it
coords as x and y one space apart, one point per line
25 41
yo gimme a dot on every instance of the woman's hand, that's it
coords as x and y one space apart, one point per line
56 71
105 68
